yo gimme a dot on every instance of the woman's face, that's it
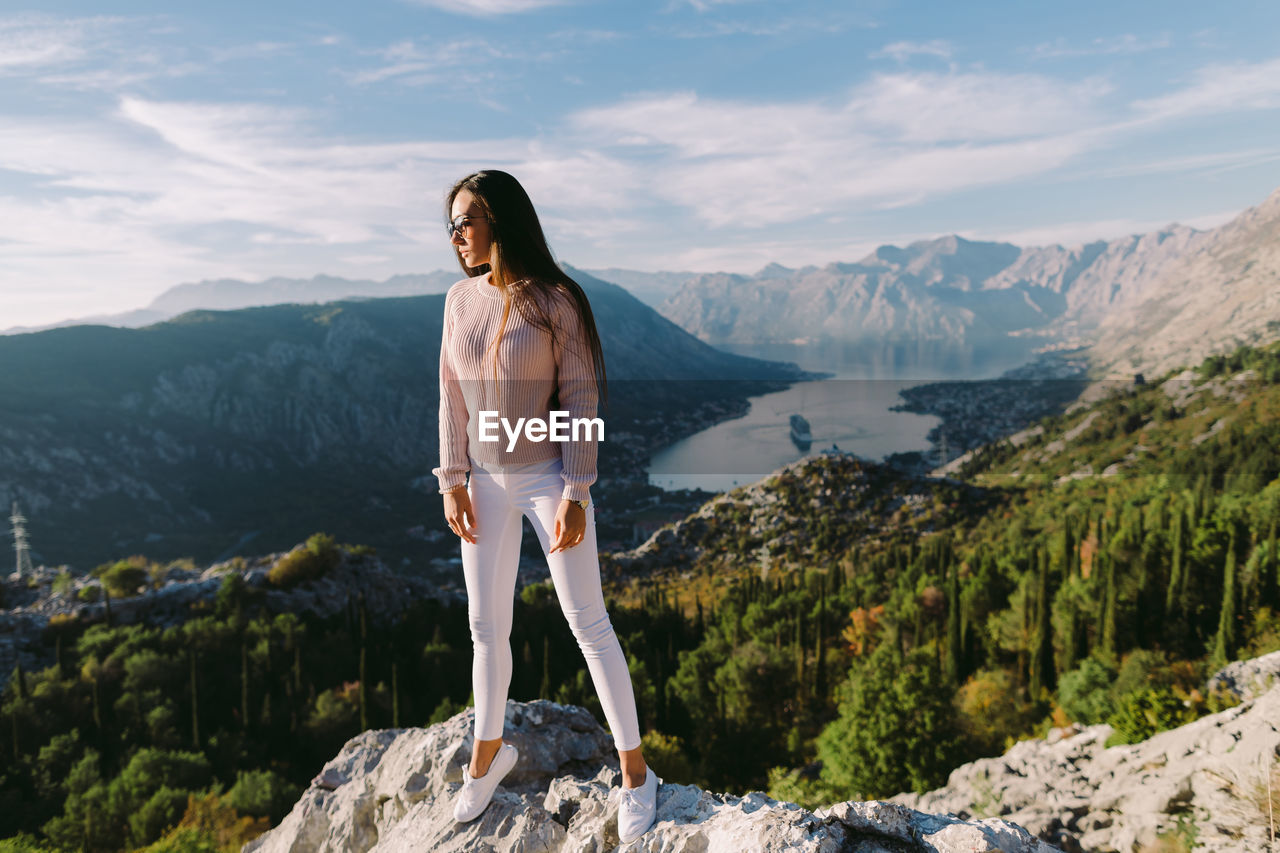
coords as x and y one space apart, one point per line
474 239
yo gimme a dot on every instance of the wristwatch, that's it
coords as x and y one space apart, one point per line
583 504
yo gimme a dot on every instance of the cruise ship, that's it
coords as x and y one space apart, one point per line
800 430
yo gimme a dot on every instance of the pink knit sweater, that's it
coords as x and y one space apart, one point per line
532 379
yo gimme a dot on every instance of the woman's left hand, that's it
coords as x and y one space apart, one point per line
571 526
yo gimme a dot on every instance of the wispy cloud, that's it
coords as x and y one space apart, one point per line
703 5
36 41
1076 233
157 192
488 8
896 140
1121 44
1219 89
459 62
1212 164
766 26
904 50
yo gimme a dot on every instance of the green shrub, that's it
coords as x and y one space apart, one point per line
1144 712
90 593
62 583
24 842
896 731
124 577
304 563
262 793
1085 692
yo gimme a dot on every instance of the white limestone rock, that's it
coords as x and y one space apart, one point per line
391 791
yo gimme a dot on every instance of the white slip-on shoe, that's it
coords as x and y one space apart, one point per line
476 793
637 807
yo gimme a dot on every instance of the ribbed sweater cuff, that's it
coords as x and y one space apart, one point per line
576 492
449 479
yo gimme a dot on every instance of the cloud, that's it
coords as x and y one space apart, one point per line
36 41
896 139
457 63
1218 89
903 50
151 193
1211 164
1121 44
786 25
488 8
703 5
100 53
1087 231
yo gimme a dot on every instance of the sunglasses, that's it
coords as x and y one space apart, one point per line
461 222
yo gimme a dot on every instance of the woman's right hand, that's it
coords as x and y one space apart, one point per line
457 509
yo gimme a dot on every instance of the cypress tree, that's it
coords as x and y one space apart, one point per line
1109 612
1067 545
1225 642
244 681
395 695
297 686
799 651
1042 659
1268 594
820 678
954 663
364 665
20 680
195 699
545 690
1172 599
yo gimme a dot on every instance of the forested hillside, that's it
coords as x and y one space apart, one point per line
828 634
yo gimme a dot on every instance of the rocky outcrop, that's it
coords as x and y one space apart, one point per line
1208 776
1247 679
391 791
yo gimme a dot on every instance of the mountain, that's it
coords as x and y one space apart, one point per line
651 288
229 293
1222 291
1141 302
194 436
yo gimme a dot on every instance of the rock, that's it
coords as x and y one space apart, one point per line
391 791
1247 679
1072 790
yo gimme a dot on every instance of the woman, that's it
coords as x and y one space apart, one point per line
519 341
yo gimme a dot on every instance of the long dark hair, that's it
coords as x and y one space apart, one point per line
521 262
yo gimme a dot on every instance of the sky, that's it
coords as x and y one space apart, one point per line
148 144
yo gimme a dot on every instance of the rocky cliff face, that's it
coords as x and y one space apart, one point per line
1222 291
1209 776
391 791
1143 302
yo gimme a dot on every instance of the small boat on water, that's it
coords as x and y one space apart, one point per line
800 430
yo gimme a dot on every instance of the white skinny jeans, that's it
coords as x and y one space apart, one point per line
500 495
